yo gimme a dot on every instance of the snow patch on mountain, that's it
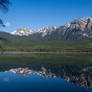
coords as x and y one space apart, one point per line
22 32
46 30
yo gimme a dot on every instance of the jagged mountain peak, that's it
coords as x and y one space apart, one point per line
46 30
82 20
86 18
22 31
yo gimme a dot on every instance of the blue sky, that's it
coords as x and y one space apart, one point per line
38 13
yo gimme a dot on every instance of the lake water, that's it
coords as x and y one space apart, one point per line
46 73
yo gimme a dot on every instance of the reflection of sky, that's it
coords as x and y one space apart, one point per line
16 83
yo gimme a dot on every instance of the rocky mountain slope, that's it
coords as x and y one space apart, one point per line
76 30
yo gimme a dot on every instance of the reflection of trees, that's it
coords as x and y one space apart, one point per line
4 6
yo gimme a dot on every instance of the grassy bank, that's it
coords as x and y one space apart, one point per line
48 46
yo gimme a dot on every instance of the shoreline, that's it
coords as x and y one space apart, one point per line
63 52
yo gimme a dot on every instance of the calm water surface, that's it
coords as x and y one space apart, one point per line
46 73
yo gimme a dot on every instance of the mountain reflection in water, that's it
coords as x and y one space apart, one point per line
48 73
79 75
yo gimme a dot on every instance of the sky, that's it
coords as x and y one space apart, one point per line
38 13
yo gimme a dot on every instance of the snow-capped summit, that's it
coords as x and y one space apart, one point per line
67 25
46 30
22 32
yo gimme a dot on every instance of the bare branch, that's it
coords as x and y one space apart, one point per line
4 4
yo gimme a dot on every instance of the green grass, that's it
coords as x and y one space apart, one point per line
55 46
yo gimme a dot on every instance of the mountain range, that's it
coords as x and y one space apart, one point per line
78 29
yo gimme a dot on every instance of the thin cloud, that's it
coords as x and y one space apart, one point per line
7 24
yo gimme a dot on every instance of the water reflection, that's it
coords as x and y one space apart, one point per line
46 73
80 75
27 72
